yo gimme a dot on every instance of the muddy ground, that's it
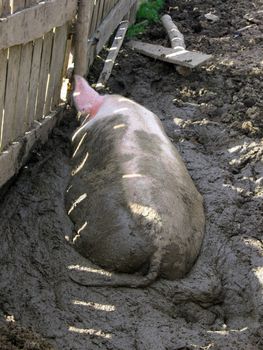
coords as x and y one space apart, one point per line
214 118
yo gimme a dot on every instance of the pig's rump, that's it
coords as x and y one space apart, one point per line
131 198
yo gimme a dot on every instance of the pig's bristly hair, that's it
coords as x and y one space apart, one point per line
86 99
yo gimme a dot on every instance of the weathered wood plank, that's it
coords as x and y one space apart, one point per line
3 67
131 16
11 160
34 81
110 23
60 61
44 74
100 15
55 66
184 58
40 20
20 122
82 33
5 8
31 2
105 9
114 50
17 5
94 17
12 86
11 93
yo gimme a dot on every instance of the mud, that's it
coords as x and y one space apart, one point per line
214 117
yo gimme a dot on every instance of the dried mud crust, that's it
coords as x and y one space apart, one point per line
214 118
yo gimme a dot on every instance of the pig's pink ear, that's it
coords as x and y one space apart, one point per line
85 98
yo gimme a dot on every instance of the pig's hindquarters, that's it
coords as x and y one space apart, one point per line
141 208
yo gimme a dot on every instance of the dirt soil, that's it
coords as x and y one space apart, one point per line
214 117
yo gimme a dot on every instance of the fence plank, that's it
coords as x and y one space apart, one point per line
17 5
44 74
61 58
100 15
82 33
34 80
94 16
23 87
5 8
111 22
31 2
3 66
55 66
18 153
113 52
40 20
11 93
106 9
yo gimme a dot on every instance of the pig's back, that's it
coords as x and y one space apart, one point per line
133 194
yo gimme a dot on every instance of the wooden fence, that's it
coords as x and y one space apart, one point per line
36 38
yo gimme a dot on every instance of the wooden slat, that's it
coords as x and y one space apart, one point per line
60 64
82 33
34 80
3 67
111 22
16 155
34 75
100 14
12 90
31 2
20 124
44 74
183 58
5 8
114 50
57 58
107 8
40 19
94 16
17 5
11 93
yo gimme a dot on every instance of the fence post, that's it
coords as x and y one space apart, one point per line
82 32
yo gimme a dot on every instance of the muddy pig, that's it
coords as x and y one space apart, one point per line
135 208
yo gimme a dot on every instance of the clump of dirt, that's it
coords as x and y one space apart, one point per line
214 118
13 337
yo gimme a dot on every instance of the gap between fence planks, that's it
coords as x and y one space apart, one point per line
114 50
40 19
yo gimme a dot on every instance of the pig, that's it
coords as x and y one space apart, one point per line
136 210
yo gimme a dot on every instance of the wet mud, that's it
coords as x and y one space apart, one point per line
214 118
